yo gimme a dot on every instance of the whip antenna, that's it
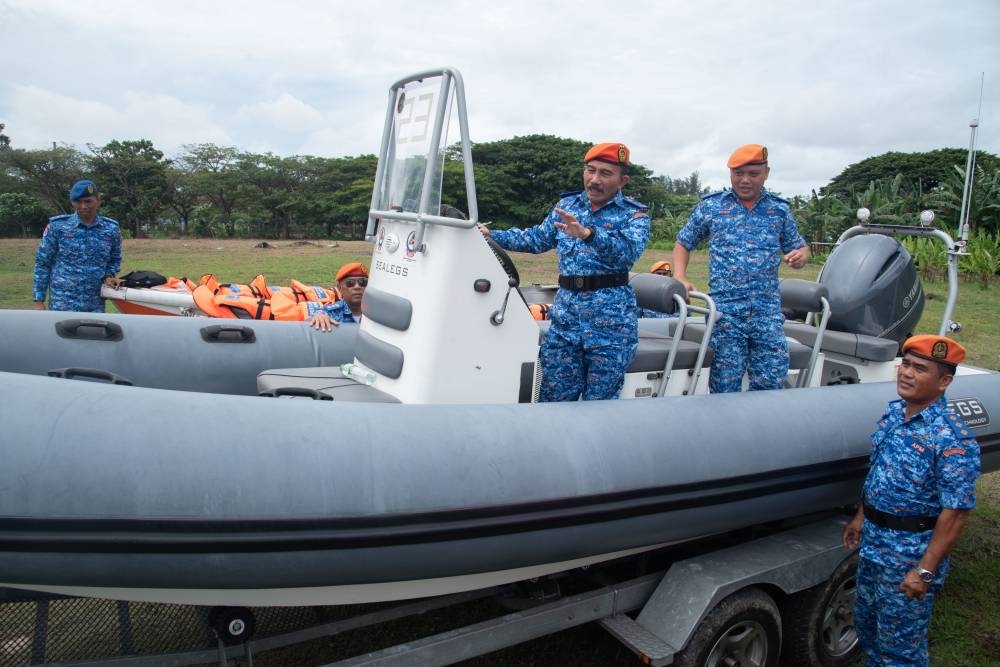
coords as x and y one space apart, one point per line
970 167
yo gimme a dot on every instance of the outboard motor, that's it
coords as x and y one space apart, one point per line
874 288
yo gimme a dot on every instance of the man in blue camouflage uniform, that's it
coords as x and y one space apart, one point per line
748 230
352 279
598 233
920 489
78 252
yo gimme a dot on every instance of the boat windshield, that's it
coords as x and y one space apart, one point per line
416 157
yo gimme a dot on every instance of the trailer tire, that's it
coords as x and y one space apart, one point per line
743 629
819 622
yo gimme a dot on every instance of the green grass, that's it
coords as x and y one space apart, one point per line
966 627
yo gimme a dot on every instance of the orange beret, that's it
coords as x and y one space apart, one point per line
614 153
662 265
352 269
935 348
749 154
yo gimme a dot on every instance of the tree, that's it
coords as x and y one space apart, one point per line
47 174
527 174
132 178
180 194
216 178
822 219
21 214
920 170
4 139
272 183
984 204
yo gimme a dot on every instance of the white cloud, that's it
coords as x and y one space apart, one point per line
38 117
823 84
285 112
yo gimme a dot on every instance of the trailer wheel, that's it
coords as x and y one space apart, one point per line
233 625
744 629
819 622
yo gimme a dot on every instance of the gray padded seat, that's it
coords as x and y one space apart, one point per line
327 381
868 348
799 355
654 346
651 355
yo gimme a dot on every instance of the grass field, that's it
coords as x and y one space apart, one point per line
966 629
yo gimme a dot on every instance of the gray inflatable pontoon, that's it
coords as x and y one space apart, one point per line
144 494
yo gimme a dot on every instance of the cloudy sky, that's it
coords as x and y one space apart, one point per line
823 83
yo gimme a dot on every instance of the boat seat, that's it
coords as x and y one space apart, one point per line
654 346
812 299
331 382
318 383
799 354
867 348
651 354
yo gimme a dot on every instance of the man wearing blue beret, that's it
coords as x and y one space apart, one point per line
79 251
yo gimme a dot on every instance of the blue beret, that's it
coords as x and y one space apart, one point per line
82 189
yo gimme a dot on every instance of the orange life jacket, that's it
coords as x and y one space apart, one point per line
540 311
304 292
247 307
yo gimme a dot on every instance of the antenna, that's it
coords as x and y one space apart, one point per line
970 167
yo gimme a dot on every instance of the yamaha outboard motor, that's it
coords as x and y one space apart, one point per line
874 288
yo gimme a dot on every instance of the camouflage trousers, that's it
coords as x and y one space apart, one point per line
587 359
748 339
891 627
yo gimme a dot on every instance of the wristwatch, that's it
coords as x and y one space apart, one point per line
926 576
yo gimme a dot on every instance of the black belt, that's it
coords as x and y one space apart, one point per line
914 524
583 283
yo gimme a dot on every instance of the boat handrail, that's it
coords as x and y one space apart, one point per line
710 312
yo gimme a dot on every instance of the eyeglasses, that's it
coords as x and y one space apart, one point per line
351 282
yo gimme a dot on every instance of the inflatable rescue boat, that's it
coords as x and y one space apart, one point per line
215 462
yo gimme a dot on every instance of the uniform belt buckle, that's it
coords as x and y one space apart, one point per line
578 282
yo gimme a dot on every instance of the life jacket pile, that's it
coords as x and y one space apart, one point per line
257 300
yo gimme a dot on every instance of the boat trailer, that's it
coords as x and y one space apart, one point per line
791 590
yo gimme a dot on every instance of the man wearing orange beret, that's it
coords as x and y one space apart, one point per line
599 233
662 268
920 489
352 279
749 232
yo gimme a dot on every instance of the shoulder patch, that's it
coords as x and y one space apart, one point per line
635 202
958 427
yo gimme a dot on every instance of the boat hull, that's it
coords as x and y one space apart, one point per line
258 501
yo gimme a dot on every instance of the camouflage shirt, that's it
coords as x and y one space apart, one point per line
73 259
339 311
621 232
918 467
745 246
